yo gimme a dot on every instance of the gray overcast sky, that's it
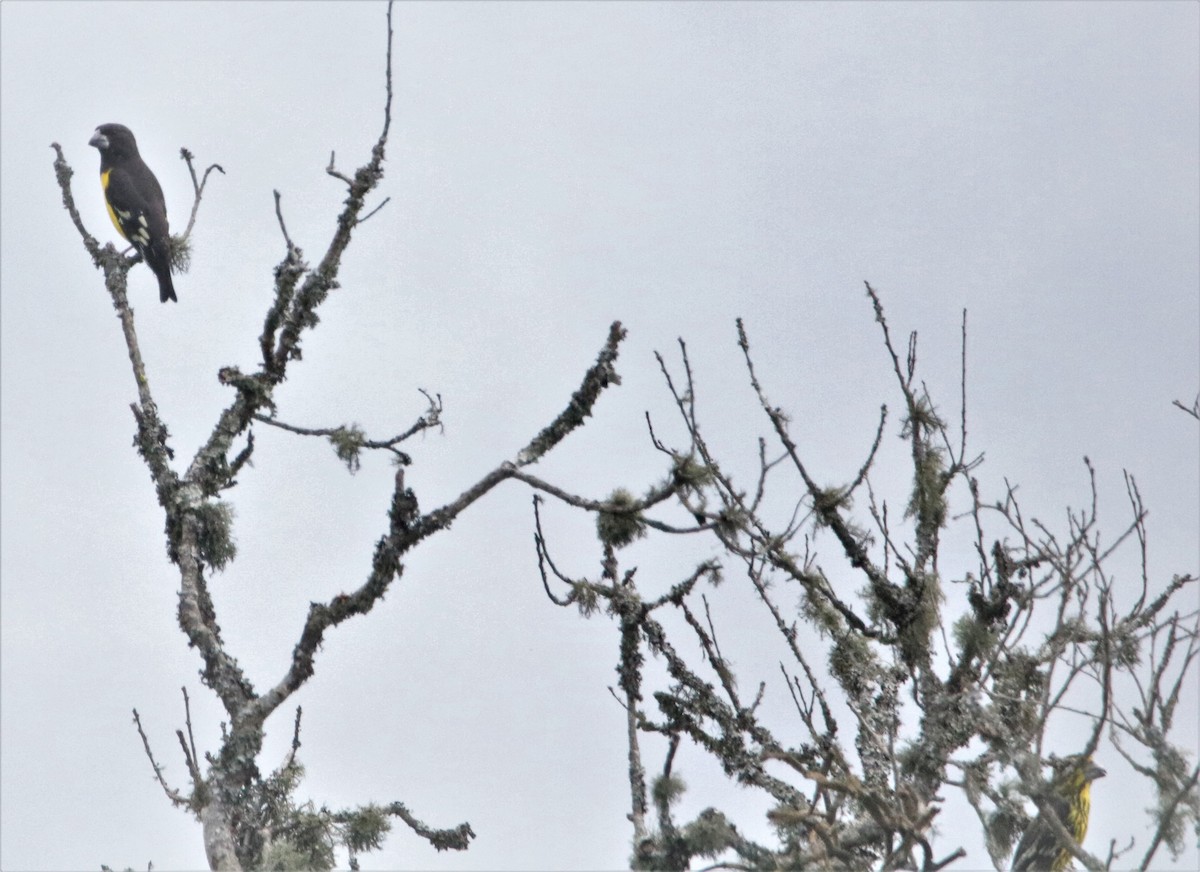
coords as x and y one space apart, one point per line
552 168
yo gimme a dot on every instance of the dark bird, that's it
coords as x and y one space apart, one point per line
135 201
1040 849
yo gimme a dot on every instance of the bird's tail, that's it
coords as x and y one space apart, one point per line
166 290
159 261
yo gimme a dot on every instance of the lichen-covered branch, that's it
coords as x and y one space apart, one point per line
963 712
602 374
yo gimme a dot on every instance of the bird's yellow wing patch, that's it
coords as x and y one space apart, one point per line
112 213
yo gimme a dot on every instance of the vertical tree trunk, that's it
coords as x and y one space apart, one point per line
218 839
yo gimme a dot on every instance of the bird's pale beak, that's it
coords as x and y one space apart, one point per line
99 140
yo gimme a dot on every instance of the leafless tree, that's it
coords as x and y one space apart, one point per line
947 683
251 820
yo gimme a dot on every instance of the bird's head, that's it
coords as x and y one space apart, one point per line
1080 771
114 140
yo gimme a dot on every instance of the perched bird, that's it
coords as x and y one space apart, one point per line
135 201
1040 848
